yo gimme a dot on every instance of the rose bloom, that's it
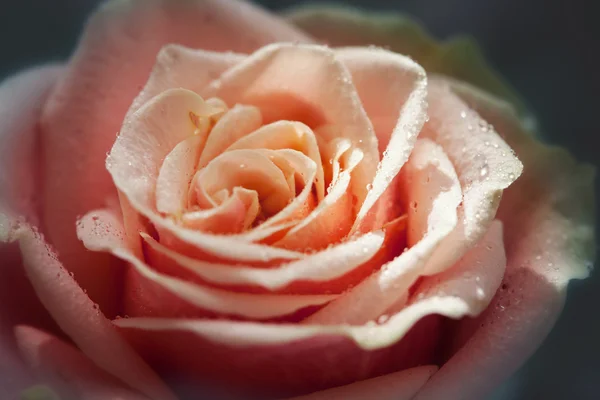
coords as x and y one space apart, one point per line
209 200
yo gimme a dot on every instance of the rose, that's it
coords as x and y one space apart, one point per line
436 191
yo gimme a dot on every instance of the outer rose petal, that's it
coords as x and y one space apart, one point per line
401 385
110 66
81 319
459 57
21 100
548 215
67 369
149 292
304 357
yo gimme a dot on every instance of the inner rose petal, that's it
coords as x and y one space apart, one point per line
323 94
286 135
432 193
248 169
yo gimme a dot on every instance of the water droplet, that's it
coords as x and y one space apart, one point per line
370 186
511 176
469 127
242 166
463 114
383 319
480 293
538 257
484 171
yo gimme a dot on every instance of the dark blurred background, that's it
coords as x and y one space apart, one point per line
547 49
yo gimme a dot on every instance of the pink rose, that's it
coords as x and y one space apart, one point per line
276 216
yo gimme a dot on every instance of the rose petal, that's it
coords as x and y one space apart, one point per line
112 62
21 100
551 208
66 367
175 175
458 57
286 135
484 163
325 94
238 122
393 86
433 191
331 220
145 140
284 358
402 385
101 231
81 319
233 215
181 67
320 267
455 297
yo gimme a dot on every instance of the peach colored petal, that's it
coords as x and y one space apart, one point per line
274 370
324 94
101 231
233 215
250 169
402 385
112 62
181 67
485 165
433 192
145 140
67 368
176 172
318 267
81 319
299 358
332 219
458 57
395 86
239 121
21 100
454 298
286 135
551 208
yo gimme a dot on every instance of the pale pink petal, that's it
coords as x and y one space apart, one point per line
402 385
318 268
432 196
110 66
455 297
81 319
549 238
100 231
322 95
145 140
332 219
238 122
181 67
264 366
176 173
484 163
21 100
286 135
67 368
233 215
249 169
393 90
